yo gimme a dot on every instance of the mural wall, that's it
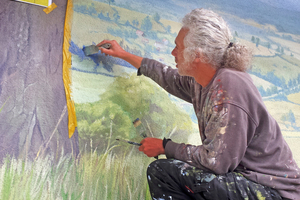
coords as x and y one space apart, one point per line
109 96
35 150
111 102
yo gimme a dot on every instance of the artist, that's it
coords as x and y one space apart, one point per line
243 153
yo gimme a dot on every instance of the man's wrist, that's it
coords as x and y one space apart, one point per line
165 141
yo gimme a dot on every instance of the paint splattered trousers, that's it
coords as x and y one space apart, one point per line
177 180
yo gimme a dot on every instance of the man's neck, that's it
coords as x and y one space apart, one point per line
204 74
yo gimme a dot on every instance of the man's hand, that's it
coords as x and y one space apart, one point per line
117 51
152 147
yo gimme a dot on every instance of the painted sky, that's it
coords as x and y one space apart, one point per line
276 12
286 4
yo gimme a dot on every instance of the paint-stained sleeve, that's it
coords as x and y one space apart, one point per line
225 144
168 78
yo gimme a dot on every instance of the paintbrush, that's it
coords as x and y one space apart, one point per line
92 49
130 142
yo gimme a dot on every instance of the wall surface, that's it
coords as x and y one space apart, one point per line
33 116
268 28
109 96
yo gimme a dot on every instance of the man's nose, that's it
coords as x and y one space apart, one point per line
174 52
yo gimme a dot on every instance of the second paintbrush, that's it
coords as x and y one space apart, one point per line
130 142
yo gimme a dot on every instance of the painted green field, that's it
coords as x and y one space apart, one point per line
93 176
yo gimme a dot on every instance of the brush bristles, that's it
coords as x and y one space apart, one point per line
89 50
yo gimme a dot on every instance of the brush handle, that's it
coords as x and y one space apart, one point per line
106 46
133 143
130 142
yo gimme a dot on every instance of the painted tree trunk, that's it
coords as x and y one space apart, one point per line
34 118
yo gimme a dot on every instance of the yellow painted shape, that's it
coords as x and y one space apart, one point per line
42 2
50 8
72 122
37 2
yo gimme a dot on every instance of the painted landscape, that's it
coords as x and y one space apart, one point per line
109 96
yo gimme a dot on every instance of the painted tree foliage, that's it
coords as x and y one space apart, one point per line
128 98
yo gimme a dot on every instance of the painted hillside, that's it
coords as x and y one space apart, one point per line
151 33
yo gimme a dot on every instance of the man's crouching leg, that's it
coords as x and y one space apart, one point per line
177 180
174 179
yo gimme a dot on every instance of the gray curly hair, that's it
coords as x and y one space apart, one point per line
210 36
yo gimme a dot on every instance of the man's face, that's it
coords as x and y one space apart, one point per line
183 69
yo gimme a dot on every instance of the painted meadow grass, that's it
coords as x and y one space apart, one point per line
93 176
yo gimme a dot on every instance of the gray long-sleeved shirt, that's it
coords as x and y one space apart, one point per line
237 132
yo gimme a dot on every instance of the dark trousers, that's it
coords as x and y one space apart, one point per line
177 180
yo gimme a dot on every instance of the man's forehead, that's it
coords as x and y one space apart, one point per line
180 36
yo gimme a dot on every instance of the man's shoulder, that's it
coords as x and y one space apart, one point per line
238 85
232 72
233 77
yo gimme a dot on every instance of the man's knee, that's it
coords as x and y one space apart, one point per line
154 167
